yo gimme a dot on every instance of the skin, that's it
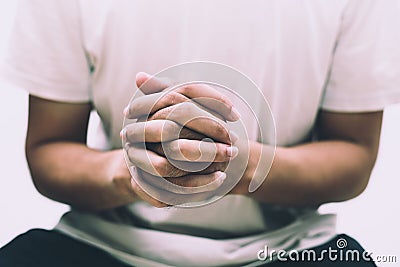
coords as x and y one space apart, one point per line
335 169
63 168
350 134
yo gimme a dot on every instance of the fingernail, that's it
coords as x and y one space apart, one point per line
142 74
235 114
233 136
141 78
220 175
127 146
126 111
232 151
122 134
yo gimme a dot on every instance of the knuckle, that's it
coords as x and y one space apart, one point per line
169 128
220 131
161 114
182 147
172 98
161 167
186 89
171 149
168 99
220 150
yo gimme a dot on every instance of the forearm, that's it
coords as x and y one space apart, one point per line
315 173
79 176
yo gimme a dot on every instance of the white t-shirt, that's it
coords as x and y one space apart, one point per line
305 56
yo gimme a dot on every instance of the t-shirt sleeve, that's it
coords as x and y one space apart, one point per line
46 55
365 70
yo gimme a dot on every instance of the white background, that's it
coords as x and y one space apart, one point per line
373 218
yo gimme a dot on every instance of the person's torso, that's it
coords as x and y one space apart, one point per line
285 47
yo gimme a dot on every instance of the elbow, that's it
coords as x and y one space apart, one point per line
33 169
39 171
357 188
360 182
363 172
355 182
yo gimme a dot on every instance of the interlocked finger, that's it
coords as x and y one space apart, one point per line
201 93
210 98
149 104
176 195
157 131
157 165
190 115
188 184
199 151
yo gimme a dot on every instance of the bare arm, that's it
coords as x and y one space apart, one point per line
63 168
336 168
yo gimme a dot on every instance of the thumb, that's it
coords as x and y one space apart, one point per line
149 84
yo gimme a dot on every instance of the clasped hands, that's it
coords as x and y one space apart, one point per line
181 136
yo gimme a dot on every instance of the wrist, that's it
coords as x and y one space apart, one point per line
258 168
119 177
